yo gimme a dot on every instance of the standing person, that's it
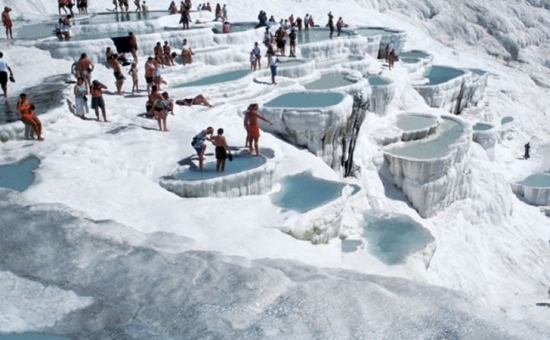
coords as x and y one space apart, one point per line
115 9
330 24
254 127
158 53
245 124
392 58
6 21
280 38
138 5
134 73
292 38
199 145
85 6
272 63
222 150
159 107
252 61
168 53
299 24
186 53
117 72
158 77
150 68
28 117
86 67
258 54
306 22
339 25
224 12
70 5
61 5
133 46
185 18
145 7
97 99
267 37
80 99
4 69
527 147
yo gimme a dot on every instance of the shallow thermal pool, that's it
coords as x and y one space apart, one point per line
478 71
441 74
541 180
393 239
414 123
18 176
316 35
303 192
236 27
506 120
290 63
374 31
377 81
482 127
305 100
104 18
329 81
433 147
31 336
239 164
410 60
415 54
218 78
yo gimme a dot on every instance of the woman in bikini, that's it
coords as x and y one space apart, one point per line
198 100
28 117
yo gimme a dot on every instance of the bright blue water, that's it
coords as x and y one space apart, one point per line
329 81
305 100
482 127
414 123
506 120
374 31
377 81
18 176
410 60
349 246
438 146
217 78
103 18
392 240
239 164
304 192
441 74
478 71
537 181
31 336
414 54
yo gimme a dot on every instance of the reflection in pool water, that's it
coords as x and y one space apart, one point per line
305 100
304 192
393 239
414 123
329 81
217 78
441 74
18 176
315 35
541 180
239 164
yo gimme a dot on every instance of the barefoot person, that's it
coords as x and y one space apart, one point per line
199 145
4 69
86 67
254 127
150 68
160 107
112 61
134 73
133 46
222 150
6 21
272 63
80 99
198 100
97 99
28 117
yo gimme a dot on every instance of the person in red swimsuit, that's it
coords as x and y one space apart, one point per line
28 117
254 127
6 21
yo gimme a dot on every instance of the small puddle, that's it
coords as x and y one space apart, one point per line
18 176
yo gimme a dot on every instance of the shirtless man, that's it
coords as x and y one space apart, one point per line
133 46
150 69
61 5
254 127
112 60
115 3
222 150
86 67
159 55
97 99
168 53
4 69
138 5
6 21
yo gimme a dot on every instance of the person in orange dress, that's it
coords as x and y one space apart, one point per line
6 21
254 127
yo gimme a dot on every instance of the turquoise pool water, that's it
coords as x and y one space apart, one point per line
506 120
329 81
541 180
374 31
478 71
31 336
432 147
377 81
441 74
349 246
305 100
304 192
414 123
19 176
217 78
410 60
482 127
415 54
239 164
315 35
393 239
103 18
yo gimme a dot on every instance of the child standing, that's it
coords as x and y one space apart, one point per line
252 61
134 73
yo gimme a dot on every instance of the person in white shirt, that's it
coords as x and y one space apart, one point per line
258 55
186 53
273 66
4 69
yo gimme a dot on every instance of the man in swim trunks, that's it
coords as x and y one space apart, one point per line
6 21
222 150
198 100
133 46
4 69
61 5
112 60
86 67
150 68
254 127
200 146
97 99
